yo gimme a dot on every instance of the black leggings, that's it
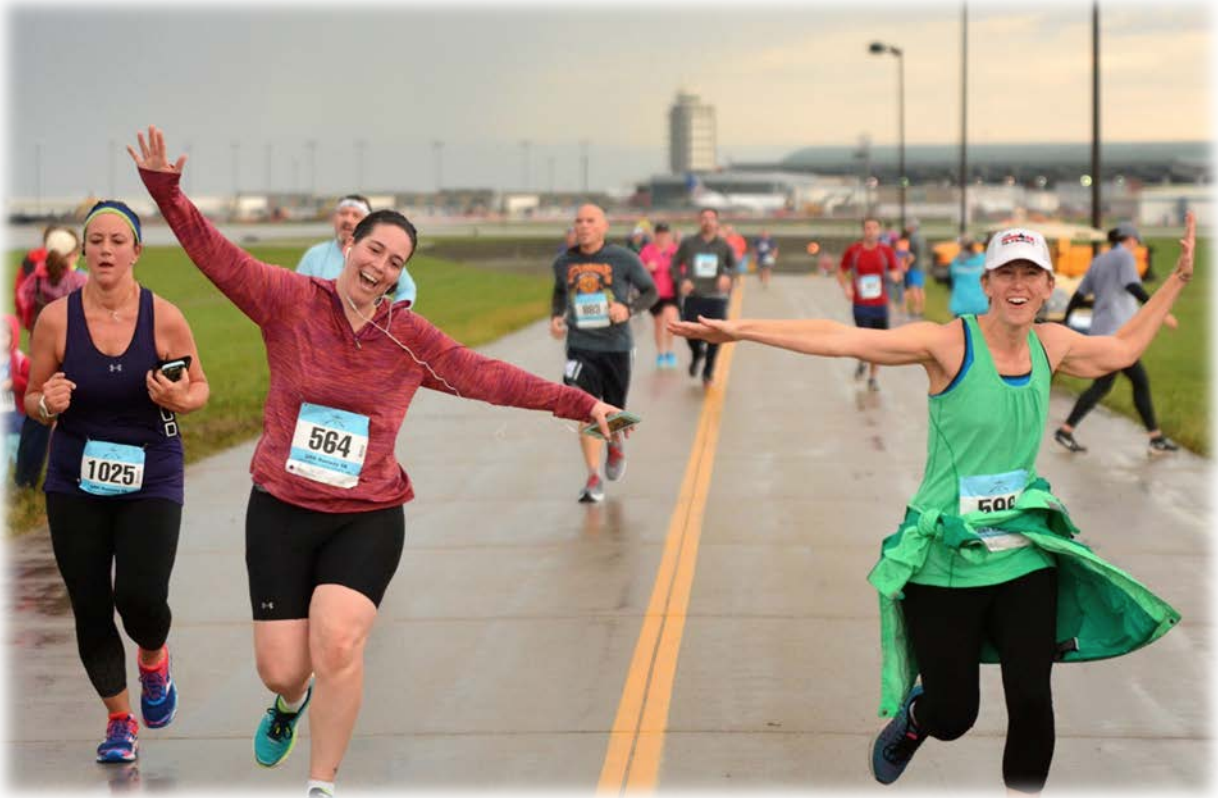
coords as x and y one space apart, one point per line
947 626
711 308
1100 388
139 540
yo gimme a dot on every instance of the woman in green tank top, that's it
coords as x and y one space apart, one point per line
985 567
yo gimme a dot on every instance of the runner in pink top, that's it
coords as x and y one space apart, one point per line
657 256
325 527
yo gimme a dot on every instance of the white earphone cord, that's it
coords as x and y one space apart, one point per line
424 363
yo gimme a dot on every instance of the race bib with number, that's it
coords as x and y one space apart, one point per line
992 493
706 264
111 469
328 445
592 310
870 286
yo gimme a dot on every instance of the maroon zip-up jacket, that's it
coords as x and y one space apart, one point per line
315 356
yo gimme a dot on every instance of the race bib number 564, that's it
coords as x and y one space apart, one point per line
328 445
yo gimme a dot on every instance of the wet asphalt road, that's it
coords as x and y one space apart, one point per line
504 643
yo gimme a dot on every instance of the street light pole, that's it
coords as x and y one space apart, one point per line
1095 116
879 48
963 119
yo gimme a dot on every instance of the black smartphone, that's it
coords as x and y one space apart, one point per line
172 369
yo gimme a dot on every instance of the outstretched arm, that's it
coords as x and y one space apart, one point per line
258 289
1094 356
919 343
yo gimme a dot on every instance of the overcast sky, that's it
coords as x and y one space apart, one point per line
482 79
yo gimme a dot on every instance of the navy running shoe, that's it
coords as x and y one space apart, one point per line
896 743
122 742
158 694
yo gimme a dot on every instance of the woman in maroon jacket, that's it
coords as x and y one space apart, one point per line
324 528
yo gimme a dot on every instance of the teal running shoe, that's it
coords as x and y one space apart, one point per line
276 735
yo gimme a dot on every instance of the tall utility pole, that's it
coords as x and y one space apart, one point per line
963 118
879 48
1095 115
437 148
583 165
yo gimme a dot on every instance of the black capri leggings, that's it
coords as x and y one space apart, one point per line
138 539
947 625
1100 388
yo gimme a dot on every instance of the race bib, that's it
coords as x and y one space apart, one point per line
992 493
767 259
870 286
111 469
592 310
706 264
328 445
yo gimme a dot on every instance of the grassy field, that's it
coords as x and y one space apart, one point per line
1178 361
472 305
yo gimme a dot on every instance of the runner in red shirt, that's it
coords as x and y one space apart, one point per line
861 276
325 528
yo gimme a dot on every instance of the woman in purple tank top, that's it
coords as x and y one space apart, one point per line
114 481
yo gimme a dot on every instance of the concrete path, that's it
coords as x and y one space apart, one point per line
508 635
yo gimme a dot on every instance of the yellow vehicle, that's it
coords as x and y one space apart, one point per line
1072 247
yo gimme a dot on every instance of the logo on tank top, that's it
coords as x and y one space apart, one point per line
116 367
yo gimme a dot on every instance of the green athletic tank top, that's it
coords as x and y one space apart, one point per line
982 442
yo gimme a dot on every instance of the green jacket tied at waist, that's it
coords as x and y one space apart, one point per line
1101 610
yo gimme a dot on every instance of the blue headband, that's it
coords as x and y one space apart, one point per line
116 207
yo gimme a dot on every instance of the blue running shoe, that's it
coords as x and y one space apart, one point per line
672 360
276 735
896 743
158 694
122 742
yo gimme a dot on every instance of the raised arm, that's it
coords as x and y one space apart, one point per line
258 289
1094 356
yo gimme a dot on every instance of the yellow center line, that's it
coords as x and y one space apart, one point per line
636 741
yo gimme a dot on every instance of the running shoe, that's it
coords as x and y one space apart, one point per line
319 792
276 735
661 361
593 490
693 365
158 694
1162 444
860 370
1066 439
896 743
615 461
122 743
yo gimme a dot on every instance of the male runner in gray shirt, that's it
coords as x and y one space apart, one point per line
702 270
1113 279
591 306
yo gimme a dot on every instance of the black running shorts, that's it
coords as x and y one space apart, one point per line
605 375
290 550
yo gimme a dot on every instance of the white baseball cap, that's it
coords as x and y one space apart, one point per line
1018 243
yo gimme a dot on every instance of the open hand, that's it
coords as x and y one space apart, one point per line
716 331
152 153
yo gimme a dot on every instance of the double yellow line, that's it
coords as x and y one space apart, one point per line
636 741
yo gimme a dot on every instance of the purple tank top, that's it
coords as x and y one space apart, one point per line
110 405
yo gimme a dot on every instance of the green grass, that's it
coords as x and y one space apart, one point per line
472 305
1178 361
